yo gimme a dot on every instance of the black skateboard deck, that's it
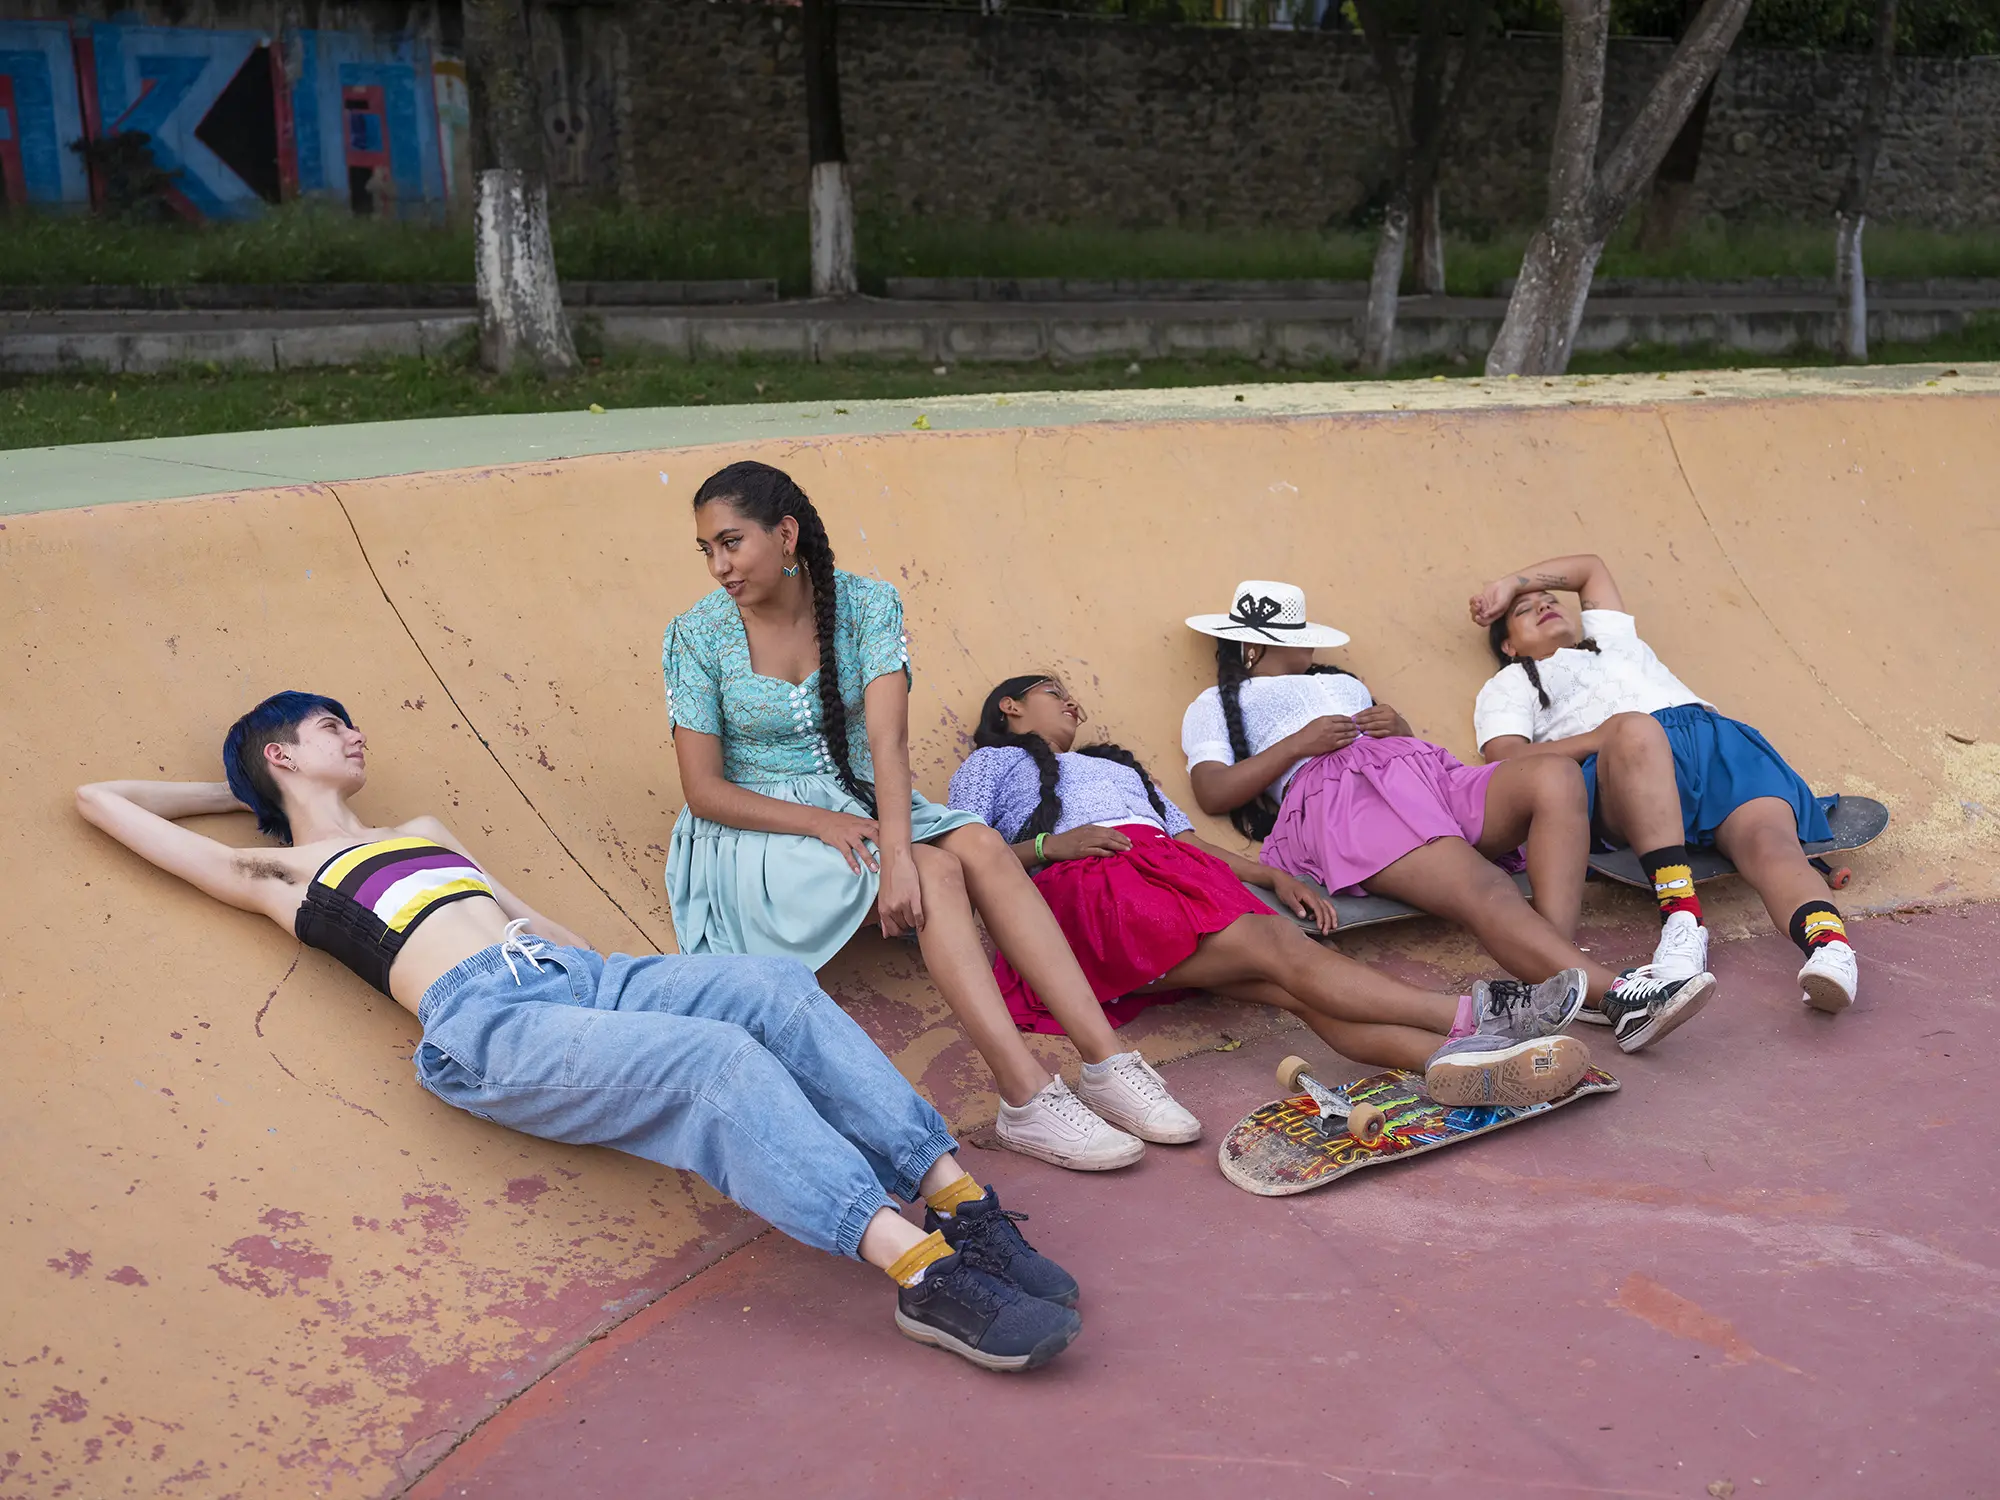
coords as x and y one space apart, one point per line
1856 821
1359 911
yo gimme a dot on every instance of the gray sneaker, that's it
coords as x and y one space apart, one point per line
1489 1070
1520 1011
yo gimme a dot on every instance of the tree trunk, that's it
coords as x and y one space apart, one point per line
830 201
1666 214
520 301
1427 248
1586 200
1378 337
1850 290
1850 281
1664 220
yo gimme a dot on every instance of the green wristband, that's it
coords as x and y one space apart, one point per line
1040 858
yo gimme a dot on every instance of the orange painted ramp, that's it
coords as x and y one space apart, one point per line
252 1258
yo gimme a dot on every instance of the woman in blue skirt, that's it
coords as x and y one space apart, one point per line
1664 769
789 693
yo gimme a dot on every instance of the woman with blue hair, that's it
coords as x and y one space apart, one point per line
662 1057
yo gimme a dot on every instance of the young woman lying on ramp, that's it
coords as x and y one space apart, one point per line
1340 791
1150 908
737 1069
1664 769
789 691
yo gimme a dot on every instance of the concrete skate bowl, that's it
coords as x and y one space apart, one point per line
248 1256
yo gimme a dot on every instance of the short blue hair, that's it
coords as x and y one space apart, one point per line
275 721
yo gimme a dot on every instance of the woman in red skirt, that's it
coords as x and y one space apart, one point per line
1150 908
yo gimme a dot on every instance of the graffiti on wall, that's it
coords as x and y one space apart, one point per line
232 119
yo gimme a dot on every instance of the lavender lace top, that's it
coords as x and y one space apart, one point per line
999 785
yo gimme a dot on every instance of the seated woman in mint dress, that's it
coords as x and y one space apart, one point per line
789 694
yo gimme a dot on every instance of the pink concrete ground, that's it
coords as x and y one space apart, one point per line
1769 1263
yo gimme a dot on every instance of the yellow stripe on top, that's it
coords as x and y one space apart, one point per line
401 921
339 869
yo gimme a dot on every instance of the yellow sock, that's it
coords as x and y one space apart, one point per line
908 1266
955 1195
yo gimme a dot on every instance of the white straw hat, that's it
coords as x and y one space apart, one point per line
1268 614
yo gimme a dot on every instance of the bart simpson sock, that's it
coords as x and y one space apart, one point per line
1673 881
1816 924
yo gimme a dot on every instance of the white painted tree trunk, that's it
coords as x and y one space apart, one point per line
1385 285
1539 331
832 231
520 302
1850 288
1429 247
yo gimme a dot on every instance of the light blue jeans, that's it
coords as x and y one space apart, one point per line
739 1069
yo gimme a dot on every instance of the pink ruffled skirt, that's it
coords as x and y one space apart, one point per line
1357 811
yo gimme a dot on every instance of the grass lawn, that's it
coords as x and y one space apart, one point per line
39 410
311 243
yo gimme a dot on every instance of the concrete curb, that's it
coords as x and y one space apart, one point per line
1286 334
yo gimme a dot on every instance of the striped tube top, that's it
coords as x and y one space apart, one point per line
362 904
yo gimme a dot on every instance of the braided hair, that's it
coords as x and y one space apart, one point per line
993 731
1496 638
1254 819
766 495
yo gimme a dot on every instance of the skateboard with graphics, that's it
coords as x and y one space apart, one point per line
1856 821
1318 1134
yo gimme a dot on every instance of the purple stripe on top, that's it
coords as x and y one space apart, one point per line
373 887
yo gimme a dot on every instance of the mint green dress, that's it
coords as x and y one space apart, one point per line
735 890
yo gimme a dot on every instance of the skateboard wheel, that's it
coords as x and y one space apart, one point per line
1838 877
1290 1071
1366 1123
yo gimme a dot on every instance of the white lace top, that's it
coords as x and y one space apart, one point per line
1585 688
1273 707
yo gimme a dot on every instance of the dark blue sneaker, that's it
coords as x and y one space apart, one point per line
979 1317
984 1234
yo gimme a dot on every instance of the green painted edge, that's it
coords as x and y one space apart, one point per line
86 474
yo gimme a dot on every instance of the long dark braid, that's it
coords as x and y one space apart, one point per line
993 731
1496 638
1254 819
766 495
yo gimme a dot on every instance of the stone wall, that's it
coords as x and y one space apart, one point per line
953 115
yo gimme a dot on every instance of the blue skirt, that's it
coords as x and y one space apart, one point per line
735 890
1722 764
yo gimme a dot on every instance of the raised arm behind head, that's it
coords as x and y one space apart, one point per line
1583 574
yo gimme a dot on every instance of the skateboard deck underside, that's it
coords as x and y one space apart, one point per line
1358 911
1285 1148
1856 821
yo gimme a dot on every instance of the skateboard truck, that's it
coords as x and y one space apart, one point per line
1364 1122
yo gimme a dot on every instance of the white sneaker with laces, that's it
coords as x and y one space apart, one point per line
1829 978
1056 1126
1127 1091
1682 951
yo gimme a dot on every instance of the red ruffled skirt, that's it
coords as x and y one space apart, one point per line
1129 918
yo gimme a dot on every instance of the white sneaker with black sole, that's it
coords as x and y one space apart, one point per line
1681 953
1055 1126
1829 978
1642 1006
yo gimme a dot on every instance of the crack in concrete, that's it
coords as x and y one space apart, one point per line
1811 671
466 718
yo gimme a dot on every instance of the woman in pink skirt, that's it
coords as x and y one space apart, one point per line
1149 909
1342 792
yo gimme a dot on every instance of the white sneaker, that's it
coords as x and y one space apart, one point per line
1829 978
1682 951
1056 1126
1127 1092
